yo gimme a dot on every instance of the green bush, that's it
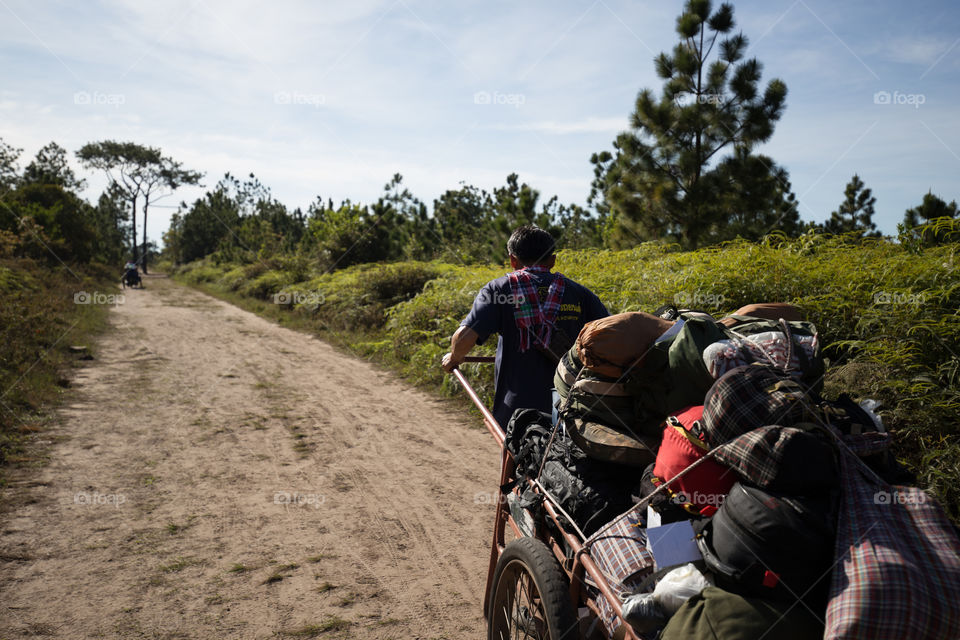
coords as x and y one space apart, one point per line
264 285
233 279
358 297
201 272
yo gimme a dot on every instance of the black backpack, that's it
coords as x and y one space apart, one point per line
526 437
771 545
592 491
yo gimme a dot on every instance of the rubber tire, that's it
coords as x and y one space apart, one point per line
530 556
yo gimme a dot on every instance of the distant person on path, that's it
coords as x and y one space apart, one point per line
526 308
131 274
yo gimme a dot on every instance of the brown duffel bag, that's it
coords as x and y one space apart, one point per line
611 346
765 310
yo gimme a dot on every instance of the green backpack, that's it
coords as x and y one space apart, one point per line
602 418
672 376
715 614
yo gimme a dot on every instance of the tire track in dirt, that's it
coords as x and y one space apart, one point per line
213 475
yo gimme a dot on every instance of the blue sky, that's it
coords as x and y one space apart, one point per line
332 99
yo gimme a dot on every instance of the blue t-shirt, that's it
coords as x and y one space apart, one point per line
523 380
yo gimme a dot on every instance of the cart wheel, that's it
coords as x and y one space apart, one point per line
530 596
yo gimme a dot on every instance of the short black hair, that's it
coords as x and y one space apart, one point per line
531 245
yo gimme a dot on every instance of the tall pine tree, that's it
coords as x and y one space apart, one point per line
665 174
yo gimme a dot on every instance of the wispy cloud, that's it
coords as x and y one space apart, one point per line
918 50
586 125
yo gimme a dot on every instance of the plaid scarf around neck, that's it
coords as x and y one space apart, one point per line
534 319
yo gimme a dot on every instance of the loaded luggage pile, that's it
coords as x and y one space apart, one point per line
723 496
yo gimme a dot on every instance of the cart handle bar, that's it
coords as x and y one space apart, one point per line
491 423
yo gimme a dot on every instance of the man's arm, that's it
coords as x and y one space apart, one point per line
461 343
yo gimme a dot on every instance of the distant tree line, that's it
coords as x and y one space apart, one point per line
242 221
43 216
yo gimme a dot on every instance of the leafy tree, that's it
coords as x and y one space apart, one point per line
209 221
9 170
462 216
65 219
173 238
48 218
423 237
418 238
513 205
578 229
110 219
242 222
342 235
855 213
138 171
51 166
266 221
662 178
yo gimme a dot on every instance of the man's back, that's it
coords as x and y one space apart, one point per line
524 378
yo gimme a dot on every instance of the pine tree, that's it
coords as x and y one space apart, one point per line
9 170
662 179
855 213
930 223
52 167
754 199
931 208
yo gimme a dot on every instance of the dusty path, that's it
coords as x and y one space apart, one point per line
218 476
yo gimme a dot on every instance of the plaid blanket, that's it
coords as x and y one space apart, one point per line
898 564
621 554
753 396
782 459
535 320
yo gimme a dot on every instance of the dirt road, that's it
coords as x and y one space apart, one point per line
217 476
